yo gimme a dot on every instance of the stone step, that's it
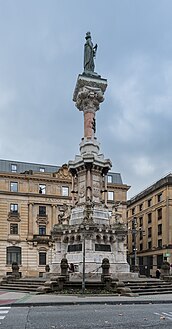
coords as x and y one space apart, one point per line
21 288
144 281
145 293
88 285
133 286
151 289
20 284
28 283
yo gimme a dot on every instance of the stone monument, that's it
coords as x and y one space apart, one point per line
90 236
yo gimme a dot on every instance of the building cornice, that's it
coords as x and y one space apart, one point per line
163 182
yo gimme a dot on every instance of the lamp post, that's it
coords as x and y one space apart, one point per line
134 234
134 230
84 229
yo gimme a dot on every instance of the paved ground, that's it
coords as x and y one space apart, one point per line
13 298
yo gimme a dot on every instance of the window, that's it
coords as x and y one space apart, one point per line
159 212
133 211
149 218
13 168
149 202
65 191
141 235
134 223
141 221
42 210
13 255
160 243
14 187
110 213
13 228
141 246
110 195
159 197
14 208
141 207
150 245
42 188
109 179
159 229
41 169
42 258
42 230
149 232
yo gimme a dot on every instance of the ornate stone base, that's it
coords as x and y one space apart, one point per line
93 262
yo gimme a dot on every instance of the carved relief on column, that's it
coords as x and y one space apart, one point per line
74 188
88 182
30 219
82 187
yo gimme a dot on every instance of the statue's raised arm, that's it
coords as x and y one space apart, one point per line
89 54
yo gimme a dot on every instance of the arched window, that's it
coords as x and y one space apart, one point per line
13 255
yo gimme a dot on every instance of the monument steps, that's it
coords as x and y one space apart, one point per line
149 286
23 284
140 287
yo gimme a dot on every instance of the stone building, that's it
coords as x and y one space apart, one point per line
149 216
33 198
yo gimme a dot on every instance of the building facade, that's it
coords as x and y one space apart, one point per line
149 217
33 198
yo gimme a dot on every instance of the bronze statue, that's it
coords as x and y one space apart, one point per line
89 54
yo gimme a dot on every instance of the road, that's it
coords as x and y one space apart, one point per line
87 317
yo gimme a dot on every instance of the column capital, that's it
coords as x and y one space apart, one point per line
89 98
31 203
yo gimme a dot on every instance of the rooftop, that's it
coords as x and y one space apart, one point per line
21 167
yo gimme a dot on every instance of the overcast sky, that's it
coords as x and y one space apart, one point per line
41 55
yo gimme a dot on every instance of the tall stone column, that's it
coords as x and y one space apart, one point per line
30 220
90 166
53 214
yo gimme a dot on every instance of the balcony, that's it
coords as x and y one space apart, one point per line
42 219
42 239
14 216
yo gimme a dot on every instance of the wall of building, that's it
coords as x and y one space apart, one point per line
152 210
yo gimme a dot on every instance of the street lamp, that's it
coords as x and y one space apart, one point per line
83 266
134 230
134 234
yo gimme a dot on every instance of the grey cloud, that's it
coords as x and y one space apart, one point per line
41 56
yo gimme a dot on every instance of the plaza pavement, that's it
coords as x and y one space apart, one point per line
18 299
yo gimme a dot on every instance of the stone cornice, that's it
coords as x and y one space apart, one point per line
35 177
94 82
36 195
